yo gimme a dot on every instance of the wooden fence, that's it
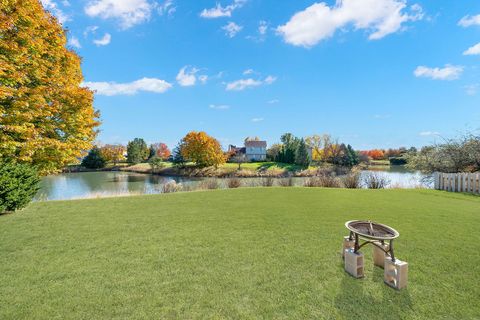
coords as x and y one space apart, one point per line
458 182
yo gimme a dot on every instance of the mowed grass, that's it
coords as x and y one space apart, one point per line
263 167
262 253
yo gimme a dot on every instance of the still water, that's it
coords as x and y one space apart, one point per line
100 184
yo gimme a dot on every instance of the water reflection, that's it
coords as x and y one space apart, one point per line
96 184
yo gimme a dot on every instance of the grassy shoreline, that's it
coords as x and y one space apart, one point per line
243 253
254 169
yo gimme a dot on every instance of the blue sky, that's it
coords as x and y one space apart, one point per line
373 73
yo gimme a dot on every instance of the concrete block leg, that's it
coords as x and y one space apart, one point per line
379 255
347 245
396 273
354 263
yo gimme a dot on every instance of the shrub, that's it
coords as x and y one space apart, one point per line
156 163
325 181
209 184
18 185
267 182
398 161
234 183
352 180
172 186
286 182
374 180
94 159
330 181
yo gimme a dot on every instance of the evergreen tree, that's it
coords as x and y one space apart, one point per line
290 145
19 183
94 159
151 152
177 157
137 151
354 159
301 155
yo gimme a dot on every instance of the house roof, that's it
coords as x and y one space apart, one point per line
255 144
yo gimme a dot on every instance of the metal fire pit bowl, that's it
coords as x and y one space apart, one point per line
372 233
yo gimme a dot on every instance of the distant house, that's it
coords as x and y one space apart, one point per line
254 149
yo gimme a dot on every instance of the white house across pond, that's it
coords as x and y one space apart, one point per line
254 149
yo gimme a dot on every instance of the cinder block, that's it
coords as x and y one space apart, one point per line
354 263
347 244
396 273
379 255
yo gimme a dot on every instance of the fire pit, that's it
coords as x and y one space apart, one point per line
373 233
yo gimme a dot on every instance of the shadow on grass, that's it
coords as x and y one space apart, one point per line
355 301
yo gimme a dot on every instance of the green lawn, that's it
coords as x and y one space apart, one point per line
266 253
264 166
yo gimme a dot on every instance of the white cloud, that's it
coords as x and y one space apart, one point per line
52 6
273 101
469 21
429 133
105 40
203 78
128 12
472 89
262 27
186 77
257 119
243 84
218 11
167 8
270 79
319 21
381 116
231 29
90 29
475 50
74 42
219 107
248 71
131 88
449 72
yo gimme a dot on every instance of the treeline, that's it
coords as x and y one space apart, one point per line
460 154
312 149
196 147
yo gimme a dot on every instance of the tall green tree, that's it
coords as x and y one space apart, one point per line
290 145
177 157
137 151
301 155
47 117
353 158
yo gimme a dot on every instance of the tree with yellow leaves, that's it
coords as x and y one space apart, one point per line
113 153
202 149
46 118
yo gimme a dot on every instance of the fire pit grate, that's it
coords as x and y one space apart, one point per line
373 233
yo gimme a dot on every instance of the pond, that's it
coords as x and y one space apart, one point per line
101 184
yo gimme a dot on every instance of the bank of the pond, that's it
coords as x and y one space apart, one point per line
98 184
269 253
246 170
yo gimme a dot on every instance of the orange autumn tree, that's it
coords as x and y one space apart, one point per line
46 118
376 154
161 150
202 149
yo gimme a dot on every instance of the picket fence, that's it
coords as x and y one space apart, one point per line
458 182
